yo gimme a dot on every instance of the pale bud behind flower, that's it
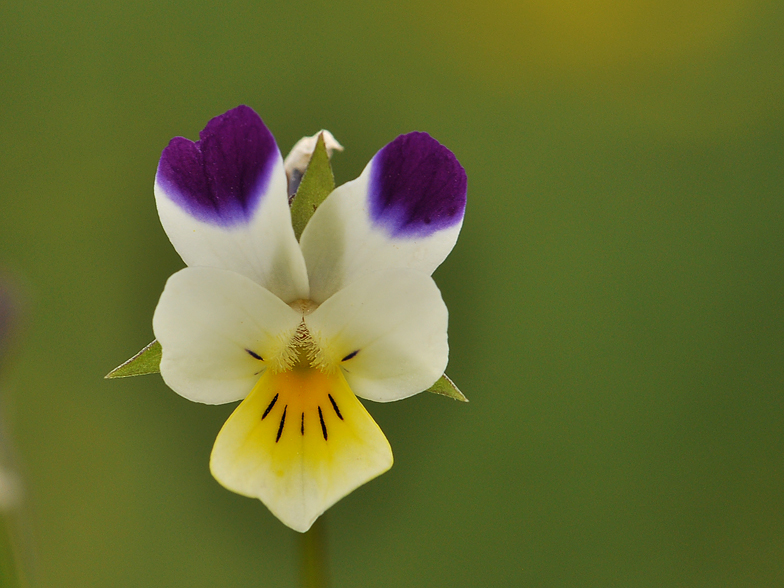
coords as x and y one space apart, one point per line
297 160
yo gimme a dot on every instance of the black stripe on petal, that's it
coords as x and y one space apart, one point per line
335 406
255 355
269 408
282 422
323 425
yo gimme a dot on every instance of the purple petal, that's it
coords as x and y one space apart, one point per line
221 178
417 187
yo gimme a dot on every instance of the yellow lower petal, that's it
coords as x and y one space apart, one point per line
299 442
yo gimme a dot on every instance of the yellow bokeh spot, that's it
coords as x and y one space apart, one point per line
573 35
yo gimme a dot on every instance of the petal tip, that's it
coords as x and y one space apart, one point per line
417 187
221 178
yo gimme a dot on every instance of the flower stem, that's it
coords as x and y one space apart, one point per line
11 575
314 556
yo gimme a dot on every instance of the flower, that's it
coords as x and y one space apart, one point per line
298 330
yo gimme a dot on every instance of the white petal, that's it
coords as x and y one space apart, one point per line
396 322
223 203
299 443
404 211
210 323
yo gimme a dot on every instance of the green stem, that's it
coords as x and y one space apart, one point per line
314 556
10 570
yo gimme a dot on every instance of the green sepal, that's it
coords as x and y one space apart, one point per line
446 387
147 361
316 185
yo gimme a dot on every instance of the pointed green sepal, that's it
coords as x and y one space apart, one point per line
446 387
316 185
147 361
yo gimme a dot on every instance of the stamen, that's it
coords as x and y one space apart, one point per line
302 425
269 408
304 342
282 421
304 347
335 406
323 426
256 355
350 355
287 357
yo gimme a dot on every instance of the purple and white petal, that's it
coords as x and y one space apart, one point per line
219 331
223 203
404 211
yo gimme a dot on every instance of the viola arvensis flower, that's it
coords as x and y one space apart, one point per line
298 330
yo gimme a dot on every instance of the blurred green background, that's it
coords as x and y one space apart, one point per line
616 297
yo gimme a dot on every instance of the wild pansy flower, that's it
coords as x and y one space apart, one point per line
299 330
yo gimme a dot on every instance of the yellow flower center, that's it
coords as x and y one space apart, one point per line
301 439
303 413
302 398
